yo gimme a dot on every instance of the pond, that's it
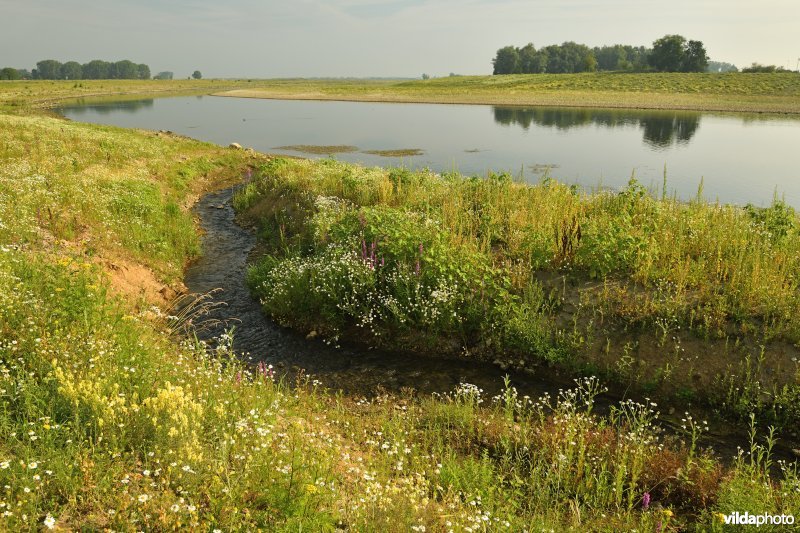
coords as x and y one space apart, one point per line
735 158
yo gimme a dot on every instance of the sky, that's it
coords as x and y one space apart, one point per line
371 38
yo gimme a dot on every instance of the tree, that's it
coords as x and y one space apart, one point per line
672 53
165 75
425 76
527 59
144 71
695 58
667 54
125 70
71 70
96 70
197 74
506 61
9 73
48 69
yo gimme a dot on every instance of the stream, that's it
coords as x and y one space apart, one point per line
357 371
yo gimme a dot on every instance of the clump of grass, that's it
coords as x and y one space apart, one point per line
402 152
319 149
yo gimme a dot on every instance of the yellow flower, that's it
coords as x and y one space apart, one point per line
311 489
720 517
667 513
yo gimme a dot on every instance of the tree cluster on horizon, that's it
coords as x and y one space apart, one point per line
97 69
671 53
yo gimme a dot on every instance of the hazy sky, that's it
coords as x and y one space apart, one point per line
268 38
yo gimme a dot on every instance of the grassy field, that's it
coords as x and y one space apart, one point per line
112 418
778 93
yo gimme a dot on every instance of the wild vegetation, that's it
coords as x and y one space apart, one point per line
112 417
690 299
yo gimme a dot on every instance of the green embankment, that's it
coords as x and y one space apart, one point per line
772 93
111 418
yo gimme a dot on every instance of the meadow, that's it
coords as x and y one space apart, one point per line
113 416
742 92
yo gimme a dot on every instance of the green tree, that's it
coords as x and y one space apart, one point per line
506 61
71 70
695 58
672 53
48 69
125 70
96 69
527 59
165 75
9 73
144 71
197 74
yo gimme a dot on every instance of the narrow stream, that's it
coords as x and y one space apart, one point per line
358 371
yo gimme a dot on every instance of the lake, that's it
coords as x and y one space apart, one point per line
739 158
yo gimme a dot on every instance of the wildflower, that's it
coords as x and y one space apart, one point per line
49 521
143 498
175 508
33 465
646 500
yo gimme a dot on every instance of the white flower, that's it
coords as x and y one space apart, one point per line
33 465
145 473
143 498
4 465
175 508
49 522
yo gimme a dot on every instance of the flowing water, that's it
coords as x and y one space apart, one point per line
739 158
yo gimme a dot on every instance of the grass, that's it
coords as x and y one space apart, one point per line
111 418
401 152
774 93
654 293
319 149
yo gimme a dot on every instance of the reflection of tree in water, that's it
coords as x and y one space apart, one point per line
660 129
131 106
662 132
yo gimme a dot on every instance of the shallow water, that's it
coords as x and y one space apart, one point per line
740 158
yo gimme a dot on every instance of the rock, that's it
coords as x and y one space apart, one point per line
235 146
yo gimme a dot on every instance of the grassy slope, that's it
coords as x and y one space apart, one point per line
703 92
109 420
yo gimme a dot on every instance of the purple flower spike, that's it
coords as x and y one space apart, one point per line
416 268
646 500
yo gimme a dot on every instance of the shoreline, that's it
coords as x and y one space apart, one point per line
502 100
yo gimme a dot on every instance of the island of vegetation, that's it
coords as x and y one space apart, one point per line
113 415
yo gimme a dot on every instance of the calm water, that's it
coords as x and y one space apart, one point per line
740 158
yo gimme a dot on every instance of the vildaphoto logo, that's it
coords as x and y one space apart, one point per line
747 519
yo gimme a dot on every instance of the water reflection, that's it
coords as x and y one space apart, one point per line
659 130
130 106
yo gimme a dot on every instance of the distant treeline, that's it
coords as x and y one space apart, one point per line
50 69
671 53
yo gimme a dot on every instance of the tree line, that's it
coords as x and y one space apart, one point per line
671 53
97 69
